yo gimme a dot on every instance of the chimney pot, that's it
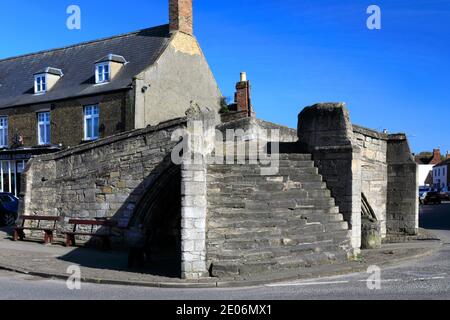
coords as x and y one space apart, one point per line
436 156
242 96
243 76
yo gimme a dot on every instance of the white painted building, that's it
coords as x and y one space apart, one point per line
424 171
425 163
440 176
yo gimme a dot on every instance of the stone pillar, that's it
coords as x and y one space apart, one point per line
325 131
355 198
201 138
193 221
403 187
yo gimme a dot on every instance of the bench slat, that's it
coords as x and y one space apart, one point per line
107 223
37 229
87 234
43 218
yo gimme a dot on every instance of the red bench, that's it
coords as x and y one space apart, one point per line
104 233
48 230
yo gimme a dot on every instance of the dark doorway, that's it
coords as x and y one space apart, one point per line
158 214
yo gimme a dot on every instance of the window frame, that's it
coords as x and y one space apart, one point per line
47 125
4 127
100 76
40 87
91 112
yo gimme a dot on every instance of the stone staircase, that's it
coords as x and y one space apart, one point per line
259 224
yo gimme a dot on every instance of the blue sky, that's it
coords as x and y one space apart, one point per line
296 53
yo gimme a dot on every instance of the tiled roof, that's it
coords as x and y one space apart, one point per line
445 162
141 49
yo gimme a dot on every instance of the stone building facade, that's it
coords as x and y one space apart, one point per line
57 99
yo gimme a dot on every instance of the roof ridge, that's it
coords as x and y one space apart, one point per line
82 43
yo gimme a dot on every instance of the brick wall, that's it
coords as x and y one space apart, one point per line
181 16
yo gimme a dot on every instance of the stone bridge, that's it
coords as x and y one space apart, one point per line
230 220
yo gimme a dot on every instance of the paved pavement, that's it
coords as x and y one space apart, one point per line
424 278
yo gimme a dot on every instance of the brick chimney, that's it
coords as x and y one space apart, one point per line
181 16
242 95
436 156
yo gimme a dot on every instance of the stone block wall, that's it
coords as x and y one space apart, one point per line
355 160
105 178
325 131
374 177
403 186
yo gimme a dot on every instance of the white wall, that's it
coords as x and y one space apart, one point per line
424 170
440 176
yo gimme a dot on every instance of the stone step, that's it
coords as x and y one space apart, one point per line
338 236
295 156
272 253
295 228
253 223
257 178
322 217
234 268
273 235
296 164
312 211
297 171
251 169
301 197
236 243
285 214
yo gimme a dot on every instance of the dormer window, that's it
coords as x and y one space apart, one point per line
40 83
102 72
108 67
46 79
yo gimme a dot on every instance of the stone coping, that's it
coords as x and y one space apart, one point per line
378 135
114 138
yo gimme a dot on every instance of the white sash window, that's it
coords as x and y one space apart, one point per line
3 132
91 121
44 128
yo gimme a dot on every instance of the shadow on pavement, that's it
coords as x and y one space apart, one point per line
6 232
166 266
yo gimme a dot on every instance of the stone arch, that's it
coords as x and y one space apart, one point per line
158 214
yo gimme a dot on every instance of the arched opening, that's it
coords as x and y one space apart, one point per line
158 215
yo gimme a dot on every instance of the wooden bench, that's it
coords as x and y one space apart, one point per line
48 231
104 234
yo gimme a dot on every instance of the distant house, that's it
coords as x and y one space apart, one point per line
441 177
426 161
60 98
